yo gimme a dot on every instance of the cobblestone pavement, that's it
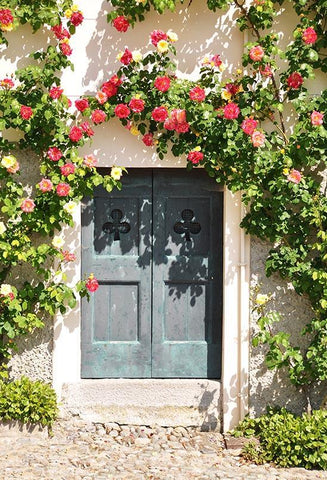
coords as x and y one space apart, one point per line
79 451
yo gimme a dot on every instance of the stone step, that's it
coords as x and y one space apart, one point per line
170 403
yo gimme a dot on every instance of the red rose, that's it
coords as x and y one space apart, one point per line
92 283
76 18
127 57
54 154
195 157
67 169
115 80
60 32
162 84
121 23
295 80
109 89
55 92
197 94
82 104
75 134
63 189
159 114
65 49
148 139
182 127
169 124
6 17
309 35
98 116
122 110
85 126
137 105
158 35
231 111
232 88
249 125
26 112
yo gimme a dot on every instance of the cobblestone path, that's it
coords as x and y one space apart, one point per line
102 452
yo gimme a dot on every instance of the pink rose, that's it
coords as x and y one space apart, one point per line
63 189
60 32
69 257
45 185
56 92
86 128
121 23
162 84
127 57
75 134
122 110
92 283
159 114
249 125
90 161
137 105
256 53
76 18
158 35
197 94
81 104
54 154
258 138
195 157
14 168
26 112
317 118
231 111
98 116
102 97
295 80
67 169
148 139
309 36
178 115
65 49
6 17
7 83
294 176
27 205
266 71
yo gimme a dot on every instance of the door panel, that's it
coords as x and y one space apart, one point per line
117 320
187 275
156 249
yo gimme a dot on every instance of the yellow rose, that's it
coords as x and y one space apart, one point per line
286 171
225 95
68 13
116 173
7 27
261 299
162 46
8 161
74 8
5 289
70 207
2 228
119 55
137 56
57 241
173 37
134 130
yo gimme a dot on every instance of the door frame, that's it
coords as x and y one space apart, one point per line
235 339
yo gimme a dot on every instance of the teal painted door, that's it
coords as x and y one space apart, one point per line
156 249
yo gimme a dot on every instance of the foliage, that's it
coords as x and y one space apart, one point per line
234 127
287 440
28 401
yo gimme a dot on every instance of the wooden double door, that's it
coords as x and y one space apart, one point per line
156 249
